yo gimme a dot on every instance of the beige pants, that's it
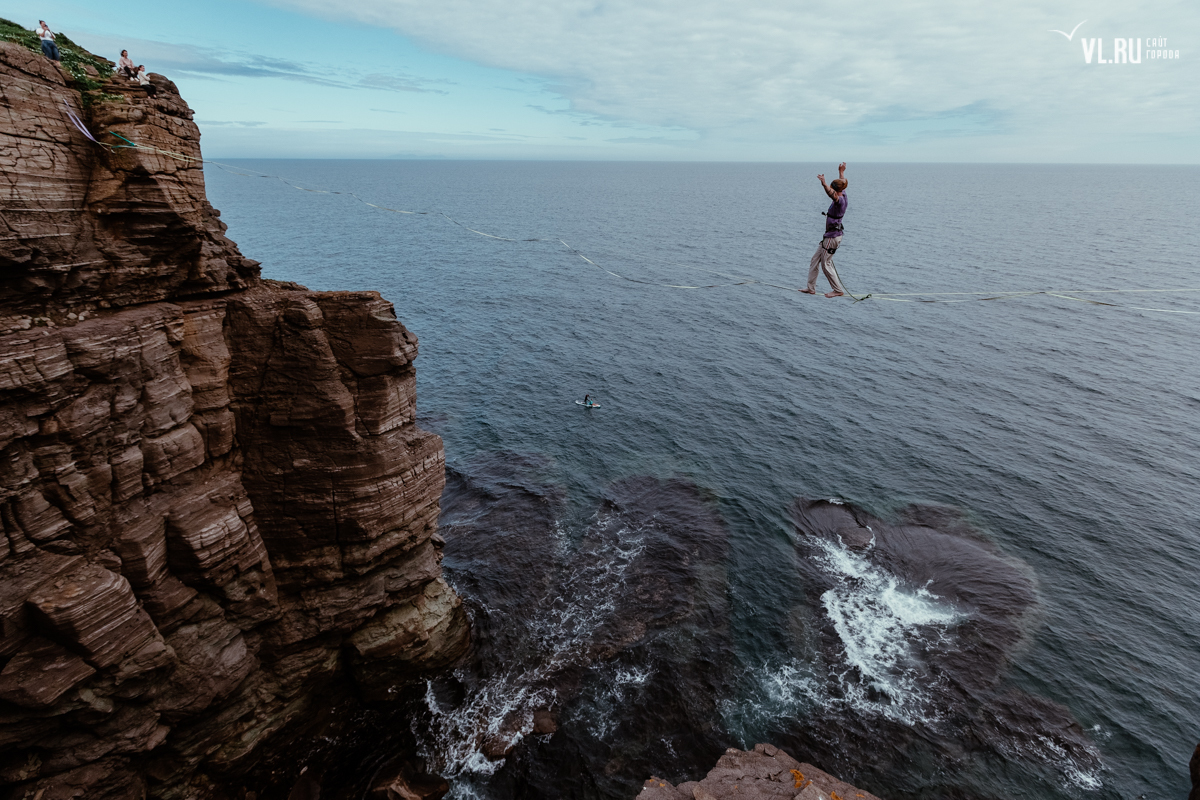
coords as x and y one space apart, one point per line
822 261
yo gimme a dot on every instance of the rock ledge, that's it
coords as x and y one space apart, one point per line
764 773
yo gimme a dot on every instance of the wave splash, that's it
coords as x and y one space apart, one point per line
919 620
470 737
571 618
882 623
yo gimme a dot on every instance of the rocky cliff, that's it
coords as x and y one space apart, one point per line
215 501
764 773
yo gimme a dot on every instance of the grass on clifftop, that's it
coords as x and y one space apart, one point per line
75 59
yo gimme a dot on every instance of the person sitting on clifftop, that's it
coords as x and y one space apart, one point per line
125 66
144 81
49 48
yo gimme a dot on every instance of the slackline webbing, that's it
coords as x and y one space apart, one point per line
894 297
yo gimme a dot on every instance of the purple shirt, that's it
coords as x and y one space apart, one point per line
837 210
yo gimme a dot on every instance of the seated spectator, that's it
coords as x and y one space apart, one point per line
125 67
144 81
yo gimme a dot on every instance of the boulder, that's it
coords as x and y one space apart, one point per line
764 773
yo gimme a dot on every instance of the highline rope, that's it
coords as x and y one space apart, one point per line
894 297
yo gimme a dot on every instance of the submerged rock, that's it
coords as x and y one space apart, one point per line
599 638
918 618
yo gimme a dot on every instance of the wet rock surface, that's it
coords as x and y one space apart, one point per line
601 635
764 773
919 617
217 511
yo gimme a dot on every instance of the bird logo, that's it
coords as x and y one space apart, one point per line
1070 35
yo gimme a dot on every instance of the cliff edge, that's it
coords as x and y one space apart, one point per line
215 500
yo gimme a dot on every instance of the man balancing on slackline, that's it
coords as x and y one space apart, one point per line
822 260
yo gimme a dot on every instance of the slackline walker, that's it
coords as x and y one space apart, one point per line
822 261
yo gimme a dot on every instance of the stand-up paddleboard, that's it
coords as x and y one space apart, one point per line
585 405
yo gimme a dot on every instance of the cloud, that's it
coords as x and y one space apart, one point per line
651 140
773 69
240 142
399 83
234 123
169 58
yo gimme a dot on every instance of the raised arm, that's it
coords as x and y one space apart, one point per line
832 194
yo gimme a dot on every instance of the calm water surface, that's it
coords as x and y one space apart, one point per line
1024 620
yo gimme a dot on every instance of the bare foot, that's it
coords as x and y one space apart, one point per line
834 294
807 291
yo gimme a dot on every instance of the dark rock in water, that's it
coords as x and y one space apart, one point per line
544 722
572 610
649 575
498 743
920 616
405 782
856 538
765 773
499 513
306 788
951 567
1194 769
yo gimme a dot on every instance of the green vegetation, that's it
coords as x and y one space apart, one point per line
75 59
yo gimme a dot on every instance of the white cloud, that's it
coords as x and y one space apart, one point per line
208 62
766 70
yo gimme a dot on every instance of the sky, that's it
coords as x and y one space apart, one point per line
668 80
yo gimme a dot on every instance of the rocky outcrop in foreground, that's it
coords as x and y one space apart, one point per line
215 502
765 773
1194 770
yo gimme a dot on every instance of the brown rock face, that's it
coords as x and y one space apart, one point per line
215 503
83 227
764 773
1194 770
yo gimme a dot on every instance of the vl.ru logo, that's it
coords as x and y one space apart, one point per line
1124 50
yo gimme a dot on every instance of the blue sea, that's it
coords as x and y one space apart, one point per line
943 550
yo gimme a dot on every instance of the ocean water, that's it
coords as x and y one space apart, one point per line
1002 598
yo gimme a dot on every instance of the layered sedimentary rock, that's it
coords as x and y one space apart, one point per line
215 502
765 773
84 227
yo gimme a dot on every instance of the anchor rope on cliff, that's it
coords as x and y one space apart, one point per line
894 297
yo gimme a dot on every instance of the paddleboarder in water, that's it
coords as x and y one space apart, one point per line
822 260
587 400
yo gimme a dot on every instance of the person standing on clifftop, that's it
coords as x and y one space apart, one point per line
822 260
49 48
